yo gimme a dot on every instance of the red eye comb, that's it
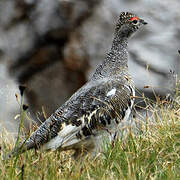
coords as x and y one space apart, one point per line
134 18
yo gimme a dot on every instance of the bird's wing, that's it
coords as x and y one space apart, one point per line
85 114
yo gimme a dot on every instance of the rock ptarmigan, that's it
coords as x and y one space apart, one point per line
97 108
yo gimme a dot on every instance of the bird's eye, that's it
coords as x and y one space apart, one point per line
135 21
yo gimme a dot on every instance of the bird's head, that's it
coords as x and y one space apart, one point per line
127 24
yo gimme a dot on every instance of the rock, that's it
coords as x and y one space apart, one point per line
8 107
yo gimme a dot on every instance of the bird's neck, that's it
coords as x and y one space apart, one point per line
119 43
118 55
116 61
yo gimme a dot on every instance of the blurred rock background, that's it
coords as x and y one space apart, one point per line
54 46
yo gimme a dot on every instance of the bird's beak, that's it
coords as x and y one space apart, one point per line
143 22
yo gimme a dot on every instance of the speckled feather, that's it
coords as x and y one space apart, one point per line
96 108
90 101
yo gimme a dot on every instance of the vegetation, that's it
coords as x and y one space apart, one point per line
149 150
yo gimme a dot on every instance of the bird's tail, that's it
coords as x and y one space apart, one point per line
15 152
19 149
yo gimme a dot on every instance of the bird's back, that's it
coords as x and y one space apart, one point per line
95 107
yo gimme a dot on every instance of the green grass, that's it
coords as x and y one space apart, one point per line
153 152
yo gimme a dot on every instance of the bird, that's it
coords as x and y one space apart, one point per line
98 108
